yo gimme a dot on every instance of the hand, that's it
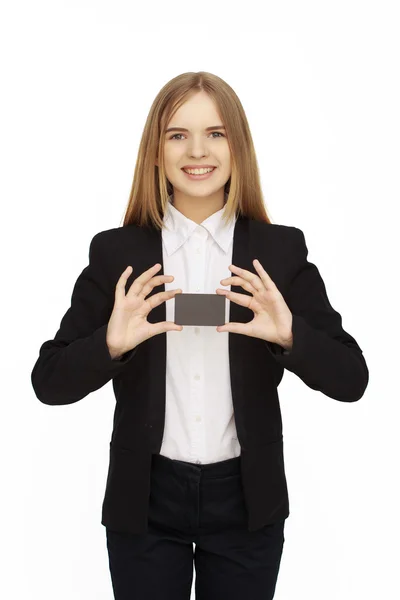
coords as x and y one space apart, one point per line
272 317
128 325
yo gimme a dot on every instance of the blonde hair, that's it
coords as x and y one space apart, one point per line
151 189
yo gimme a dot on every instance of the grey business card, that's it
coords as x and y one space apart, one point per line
199 309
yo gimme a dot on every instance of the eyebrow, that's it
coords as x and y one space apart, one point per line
183 129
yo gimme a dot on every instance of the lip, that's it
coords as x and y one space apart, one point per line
198 166
199 177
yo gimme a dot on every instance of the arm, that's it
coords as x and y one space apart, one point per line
323 354
77 361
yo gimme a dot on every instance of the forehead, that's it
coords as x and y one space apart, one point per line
198 111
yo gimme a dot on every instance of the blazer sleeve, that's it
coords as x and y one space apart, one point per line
323 354
77 361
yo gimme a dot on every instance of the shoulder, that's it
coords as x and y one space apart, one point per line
277 229
110 238
286 236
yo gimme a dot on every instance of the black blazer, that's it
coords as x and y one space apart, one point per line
77 361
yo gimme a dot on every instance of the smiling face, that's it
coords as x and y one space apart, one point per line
197 138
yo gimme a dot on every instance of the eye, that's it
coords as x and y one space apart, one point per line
174 136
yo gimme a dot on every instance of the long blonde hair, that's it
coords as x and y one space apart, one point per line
151 189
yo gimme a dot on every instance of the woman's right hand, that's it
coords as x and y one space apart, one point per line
128 325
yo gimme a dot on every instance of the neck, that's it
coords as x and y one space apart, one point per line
198 209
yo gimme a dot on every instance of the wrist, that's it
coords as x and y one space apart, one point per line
115 354
286 342
287 345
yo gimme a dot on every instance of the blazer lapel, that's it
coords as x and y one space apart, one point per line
245 248
241 257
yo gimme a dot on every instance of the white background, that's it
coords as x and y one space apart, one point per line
319 83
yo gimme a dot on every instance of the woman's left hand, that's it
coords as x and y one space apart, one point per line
272 317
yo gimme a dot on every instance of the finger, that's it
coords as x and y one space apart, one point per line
145 282
246 285
265 278
161 297
164 326
234 328
120 287
171 326
248 276
242 299
144 277
154 282
121 283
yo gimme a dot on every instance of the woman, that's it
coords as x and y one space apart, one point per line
196 454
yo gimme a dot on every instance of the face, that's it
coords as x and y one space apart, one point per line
201 144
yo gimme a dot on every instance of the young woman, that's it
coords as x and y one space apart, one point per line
196 453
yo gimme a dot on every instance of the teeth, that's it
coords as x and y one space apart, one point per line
198 171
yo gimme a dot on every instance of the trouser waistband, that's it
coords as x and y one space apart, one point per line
224 468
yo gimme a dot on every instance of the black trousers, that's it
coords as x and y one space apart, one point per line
202 505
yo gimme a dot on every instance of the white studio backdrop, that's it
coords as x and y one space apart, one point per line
320 87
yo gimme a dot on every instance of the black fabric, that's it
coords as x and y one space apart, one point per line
202 505
77 362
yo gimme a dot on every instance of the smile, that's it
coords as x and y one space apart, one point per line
202 175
